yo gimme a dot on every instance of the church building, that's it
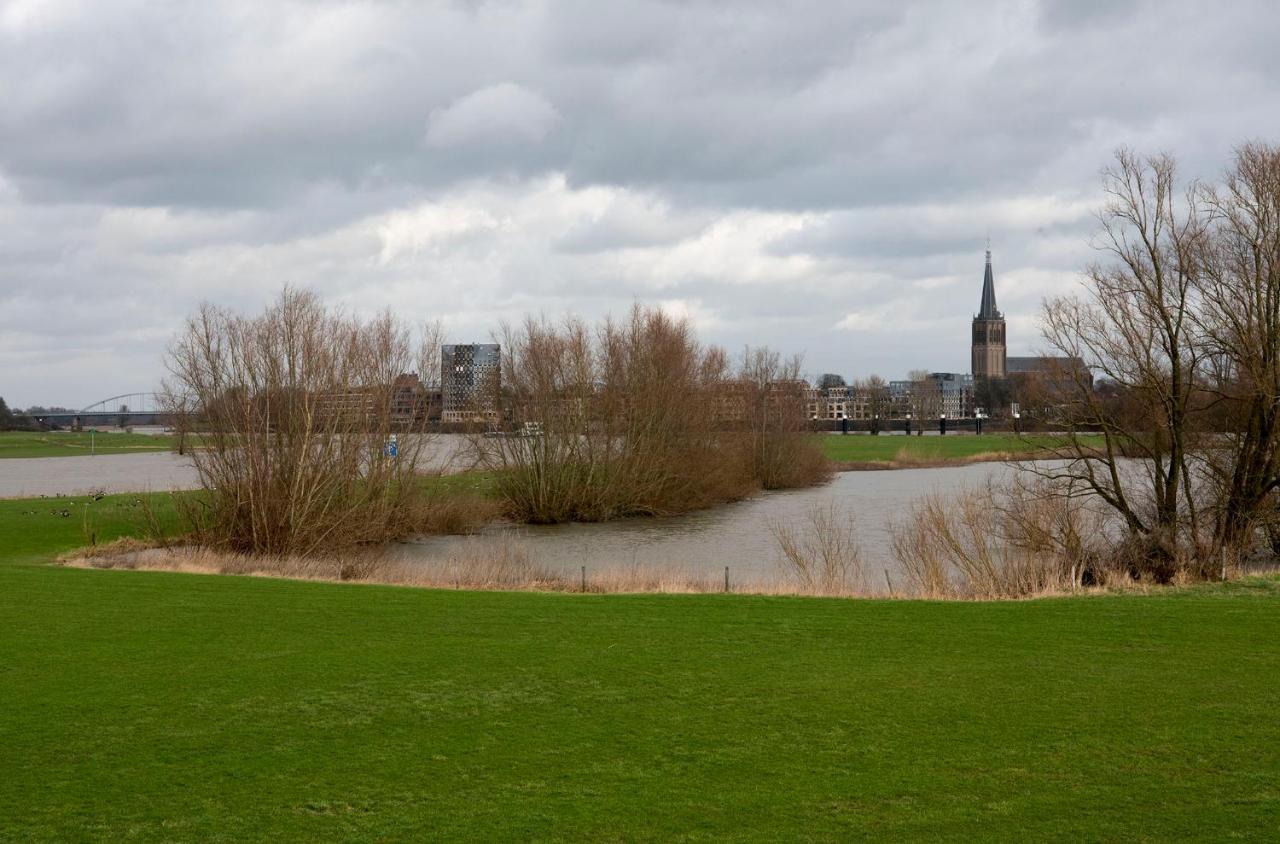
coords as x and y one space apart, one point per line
988 350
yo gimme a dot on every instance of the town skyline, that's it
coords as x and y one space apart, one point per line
814 378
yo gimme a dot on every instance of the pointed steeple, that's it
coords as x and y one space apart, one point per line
988 309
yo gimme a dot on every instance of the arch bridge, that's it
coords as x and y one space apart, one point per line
116 411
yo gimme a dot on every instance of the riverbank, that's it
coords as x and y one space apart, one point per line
863 452
303 710
34 444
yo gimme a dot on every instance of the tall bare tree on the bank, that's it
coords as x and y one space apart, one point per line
1135 326
1240 322
1172 355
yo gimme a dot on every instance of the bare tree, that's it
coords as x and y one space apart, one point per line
1021 538
873 394
1240 322
926 398
1134 325
821 552
612 421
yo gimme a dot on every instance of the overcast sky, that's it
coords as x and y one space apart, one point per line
819 177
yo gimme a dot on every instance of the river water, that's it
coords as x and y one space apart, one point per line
739 535
154 471
698 545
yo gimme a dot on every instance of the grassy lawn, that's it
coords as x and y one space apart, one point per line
158 706
886 447
69 443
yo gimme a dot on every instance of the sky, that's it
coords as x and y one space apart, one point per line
817 177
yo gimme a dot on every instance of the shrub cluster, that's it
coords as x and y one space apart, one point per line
295 409
635 417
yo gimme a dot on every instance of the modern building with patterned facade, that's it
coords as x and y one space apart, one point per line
470 381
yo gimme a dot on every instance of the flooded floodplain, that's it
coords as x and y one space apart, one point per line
739 536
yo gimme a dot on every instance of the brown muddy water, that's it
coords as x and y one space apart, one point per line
149 472
738 535
699 545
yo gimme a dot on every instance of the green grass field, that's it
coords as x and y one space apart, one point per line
69 443
158 706
887 447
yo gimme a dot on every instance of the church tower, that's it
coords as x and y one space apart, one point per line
988 332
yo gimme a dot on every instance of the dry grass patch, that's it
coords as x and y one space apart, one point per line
499 563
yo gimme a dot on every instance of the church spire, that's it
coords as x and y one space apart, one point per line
988 309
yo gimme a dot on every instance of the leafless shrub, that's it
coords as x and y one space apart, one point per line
627 419
776 445
150 526
822 555
295 409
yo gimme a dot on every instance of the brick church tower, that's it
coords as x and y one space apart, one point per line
988 332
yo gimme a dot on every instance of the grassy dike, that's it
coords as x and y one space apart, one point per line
156 706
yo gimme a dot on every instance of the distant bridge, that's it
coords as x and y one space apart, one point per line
116 411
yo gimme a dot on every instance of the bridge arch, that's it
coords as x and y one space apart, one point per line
125 403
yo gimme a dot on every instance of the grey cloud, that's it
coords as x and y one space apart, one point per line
499 115
786 105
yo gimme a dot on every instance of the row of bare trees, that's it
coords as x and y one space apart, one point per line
1183 321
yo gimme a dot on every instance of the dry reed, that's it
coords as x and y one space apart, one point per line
1008 541
503 565
821 555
